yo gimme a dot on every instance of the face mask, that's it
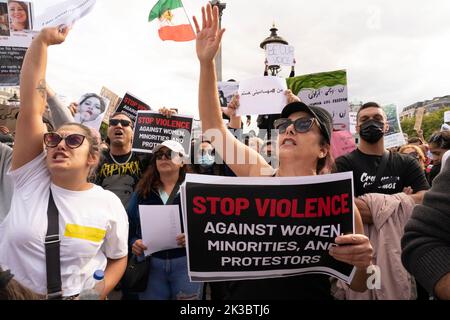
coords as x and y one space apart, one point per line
371 131
206 160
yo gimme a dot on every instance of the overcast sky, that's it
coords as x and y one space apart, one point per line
393 51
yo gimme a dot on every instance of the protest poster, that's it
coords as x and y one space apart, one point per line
447 116
250 228
327 90
419 118
262 95
152 128
130 105
160 227
16 34
280 54
91 110
64 13
8 116
113 102
342 142
394 136
353 120
227 89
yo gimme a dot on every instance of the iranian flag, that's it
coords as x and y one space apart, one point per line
174 23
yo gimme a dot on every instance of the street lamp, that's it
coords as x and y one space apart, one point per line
273 38
218 59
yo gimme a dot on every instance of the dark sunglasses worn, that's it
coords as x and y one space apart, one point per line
301 125
73 141
115 122
168 155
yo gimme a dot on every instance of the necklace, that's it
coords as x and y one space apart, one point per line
120 163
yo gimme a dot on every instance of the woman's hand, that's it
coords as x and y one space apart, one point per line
209 36
138 247
73 108
167 112
354 249
231 108
291 97
54 35
181 240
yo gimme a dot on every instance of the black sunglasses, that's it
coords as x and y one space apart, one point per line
74 140
115 122
301 125
168 155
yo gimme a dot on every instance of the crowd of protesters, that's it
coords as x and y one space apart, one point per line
401 225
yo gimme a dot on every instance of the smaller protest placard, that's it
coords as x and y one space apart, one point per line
252 228
160 226
262 95
11 59
280 54
394 137
342 142
91 110
327 90
353 117
8 116
64 13
152 128
419 118
226 91
130 105
447 116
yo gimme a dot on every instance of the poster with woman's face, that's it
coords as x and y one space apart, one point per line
91 110
16 23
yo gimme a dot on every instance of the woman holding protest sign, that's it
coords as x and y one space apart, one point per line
168 277
60 228
304 150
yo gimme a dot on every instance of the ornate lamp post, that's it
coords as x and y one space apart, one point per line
273 38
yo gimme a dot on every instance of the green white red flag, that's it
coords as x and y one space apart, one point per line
174 22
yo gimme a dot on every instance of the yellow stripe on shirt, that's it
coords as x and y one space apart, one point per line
85 233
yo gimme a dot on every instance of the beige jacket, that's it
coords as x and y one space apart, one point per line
390 214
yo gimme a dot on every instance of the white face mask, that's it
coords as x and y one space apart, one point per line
206 160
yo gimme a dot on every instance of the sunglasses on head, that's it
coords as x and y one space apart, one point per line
168 155
123 122
301 125
74 140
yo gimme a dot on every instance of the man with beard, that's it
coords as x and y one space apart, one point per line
119 163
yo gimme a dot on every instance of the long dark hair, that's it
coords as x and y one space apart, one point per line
151 179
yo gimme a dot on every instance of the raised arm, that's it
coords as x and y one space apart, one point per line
229 148
29 128
60 113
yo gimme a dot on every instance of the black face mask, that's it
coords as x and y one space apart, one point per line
371 131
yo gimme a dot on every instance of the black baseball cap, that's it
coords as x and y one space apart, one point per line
323 116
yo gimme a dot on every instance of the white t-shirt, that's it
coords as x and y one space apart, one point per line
93 226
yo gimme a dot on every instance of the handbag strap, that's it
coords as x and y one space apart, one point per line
52 252
380 171
173 194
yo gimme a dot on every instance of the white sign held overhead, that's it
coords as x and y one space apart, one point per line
280 54
65 13
262 95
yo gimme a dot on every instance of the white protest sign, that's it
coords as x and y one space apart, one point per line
280 54
16 29
262 95
394 137
160 226
353 117
64 13
447 116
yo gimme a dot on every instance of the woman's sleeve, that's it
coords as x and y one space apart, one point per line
60 113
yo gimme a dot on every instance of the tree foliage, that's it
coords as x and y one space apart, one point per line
431 122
